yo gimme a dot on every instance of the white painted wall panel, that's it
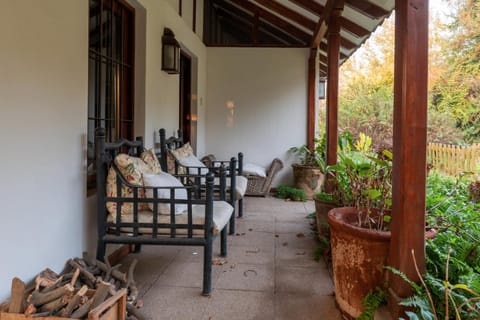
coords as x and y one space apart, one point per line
46 216
268 88
162 89
43 125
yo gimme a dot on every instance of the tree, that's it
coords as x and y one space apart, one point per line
366 85
457 91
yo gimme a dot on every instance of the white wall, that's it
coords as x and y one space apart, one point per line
187 13
46 214
162 89
268 87
43 125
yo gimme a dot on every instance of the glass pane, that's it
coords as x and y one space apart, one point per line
92 87
94 23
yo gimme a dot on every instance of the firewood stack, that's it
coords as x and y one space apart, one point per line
82 286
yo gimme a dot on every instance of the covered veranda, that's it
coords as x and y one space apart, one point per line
64 63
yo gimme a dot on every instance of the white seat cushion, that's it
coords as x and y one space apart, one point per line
222 211
192 161
164 179
241 185
254 169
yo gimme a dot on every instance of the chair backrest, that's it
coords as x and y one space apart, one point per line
105 155
167 144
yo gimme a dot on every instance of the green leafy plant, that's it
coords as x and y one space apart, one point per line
324 196
292 193
371 303
312 158
451 286
363 179
440 298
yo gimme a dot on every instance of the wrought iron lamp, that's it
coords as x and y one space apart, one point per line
170 52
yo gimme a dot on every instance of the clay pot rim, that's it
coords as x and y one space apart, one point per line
337 218
336 222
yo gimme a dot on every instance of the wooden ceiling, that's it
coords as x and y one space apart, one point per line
292 23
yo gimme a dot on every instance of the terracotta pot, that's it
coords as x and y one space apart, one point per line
358 258
321 209
309 179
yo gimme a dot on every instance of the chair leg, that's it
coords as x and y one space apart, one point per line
101 247
137 248
223 242
207 267
240 208
231 228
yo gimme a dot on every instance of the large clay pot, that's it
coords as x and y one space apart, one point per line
358 258
321 209
309 179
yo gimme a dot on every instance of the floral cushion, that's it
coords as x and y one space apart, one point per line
170 163
150 158
132 169
183 152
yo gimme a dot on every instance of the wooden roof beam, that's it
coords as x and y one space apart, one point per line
273 19
309 5
288 13
367 8
347 25
321 28
237 16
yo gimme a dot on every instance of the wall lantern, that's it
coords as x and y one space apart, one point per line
321 89
170 52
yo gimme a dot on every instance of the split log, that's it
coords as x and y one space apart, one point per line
74 302
75 277
4 306
87 274
101 294
40 314
16 304
46 278
80 289
54 305
83 310
131 285
115 273
41 298
30 310
135 312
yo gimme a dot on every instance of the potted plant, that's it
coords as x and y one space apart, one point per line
359 233
309 172
324 202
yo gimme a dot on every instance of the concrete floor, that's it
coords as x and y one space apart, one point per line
270 272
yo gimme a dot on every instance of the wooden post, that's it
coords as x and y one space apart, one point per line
312 96
409 145
333 39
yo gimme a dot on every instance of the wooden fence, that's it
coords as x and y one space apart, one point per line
452 159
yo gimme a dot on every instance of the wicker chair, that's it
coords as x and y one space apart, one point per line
260 186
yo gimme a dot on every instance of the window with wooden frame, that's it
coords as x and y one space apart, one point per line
110 74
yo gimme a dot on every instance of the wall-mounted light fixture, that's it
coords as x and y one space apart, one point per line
170 52
321 88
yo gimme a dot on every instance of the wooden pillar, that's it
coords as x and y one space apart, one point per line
312 96
333 40
409 144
